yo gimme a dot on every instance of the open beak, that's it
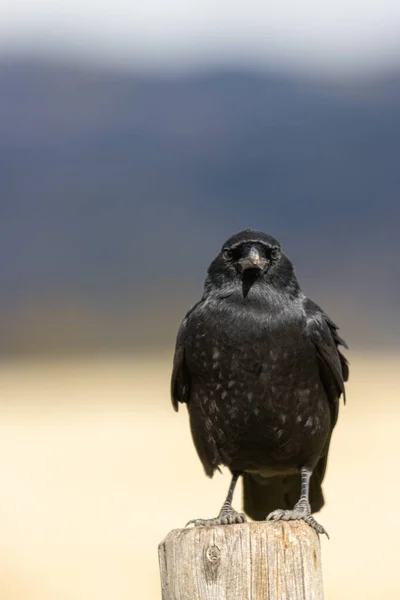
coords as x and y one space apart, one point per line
252 261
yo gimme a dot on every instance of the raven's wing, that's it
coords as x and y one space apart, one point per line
334 372
334 368
180 379
181 384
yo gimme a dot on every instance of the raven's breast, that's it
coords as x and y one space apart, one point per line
256 399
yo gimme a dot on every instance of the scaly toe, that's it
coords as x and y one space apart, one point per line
224 518
202 522
297 515
315 525
276 515
230 516
235 517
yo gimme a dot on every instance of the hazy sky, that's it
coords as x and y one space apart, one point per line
339 34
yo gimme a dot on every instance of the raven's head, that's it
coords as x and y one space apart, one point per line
251 258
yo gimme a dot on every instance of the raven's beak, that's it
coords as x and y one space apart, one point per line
253 260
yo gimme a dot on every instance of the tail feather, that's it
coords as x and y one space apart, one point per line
264 495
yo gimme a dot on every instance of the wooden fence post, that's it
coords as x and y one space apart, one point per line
251 561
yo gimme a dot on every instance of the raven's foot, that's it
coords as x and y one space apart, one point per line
227 516
301 511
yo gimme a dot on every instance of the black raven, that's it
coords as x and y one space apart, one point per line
258 365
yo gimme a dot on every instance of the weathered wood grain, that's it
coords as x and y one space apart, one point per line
250 561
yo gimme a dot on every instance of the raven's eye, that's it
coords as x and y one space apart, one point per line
274 252
227 254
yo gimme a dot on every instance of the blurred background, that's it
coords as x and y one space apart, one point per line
134 139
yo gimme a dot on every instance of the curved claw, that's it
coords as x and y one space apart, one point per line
315 525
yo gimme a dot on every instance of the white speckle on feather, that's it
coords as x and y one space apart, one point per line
224 395
231 383
309 422
216 353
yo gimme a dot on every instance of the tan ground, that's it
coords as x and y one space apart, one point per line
95 468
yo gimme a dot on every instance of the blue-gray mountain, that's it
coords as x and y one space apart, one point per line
111 181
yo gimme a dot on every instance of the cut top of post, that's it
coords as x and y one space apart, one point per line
250 561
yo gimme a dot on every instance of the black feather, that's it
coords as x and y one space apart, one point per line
258 365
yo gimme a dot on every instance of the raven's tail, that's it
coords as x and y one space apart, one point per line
264 495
